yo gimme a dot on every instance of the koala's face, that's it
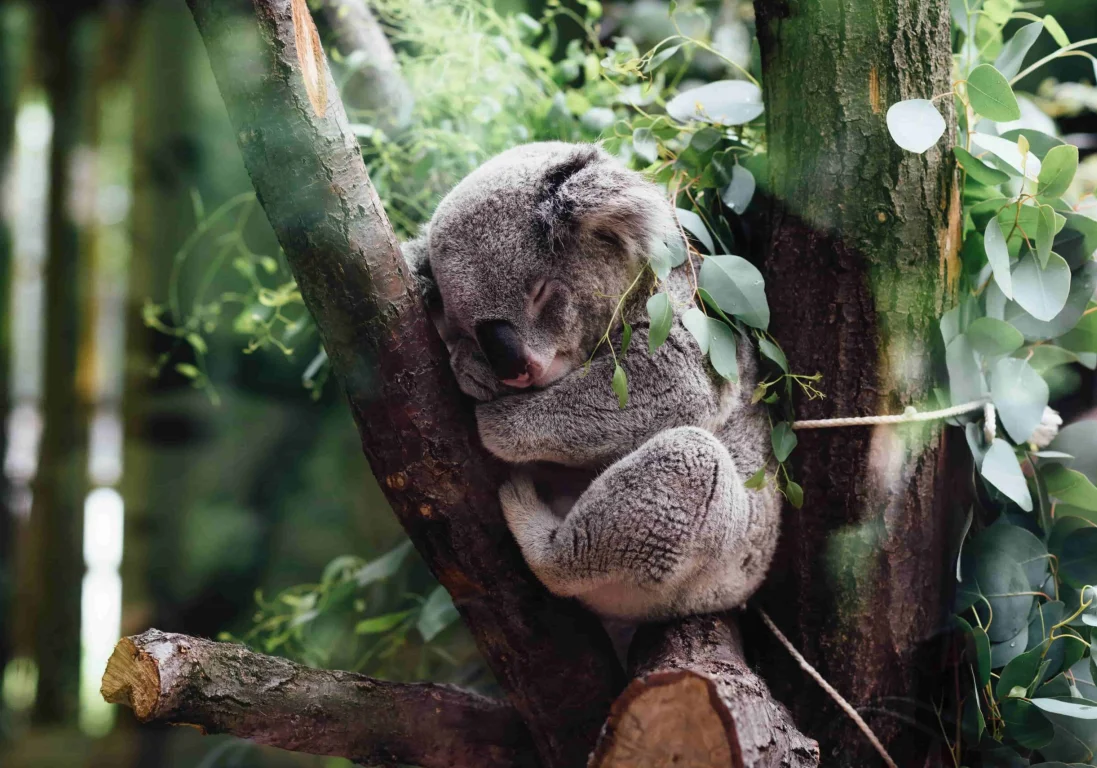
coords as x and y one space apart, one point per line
532 251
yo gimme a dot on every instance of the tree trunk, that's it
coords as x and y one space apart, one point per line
56 521
553 658
12 54
861 259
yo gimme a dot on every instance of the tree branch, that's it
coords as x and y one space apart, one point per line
695 701
552 657
375 84
224 688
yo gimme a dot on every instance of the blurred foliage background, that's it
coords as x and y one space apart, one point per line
172 456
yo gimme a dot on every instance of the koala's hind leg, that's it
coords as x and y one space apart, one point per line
638 537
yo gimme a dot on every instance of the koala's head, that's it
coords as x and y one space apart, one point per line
532 250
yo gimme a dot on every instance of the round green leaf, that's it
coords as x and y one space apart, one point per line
992 338
1021 672
724 102
783 439
991 95
661 315
1020 395
737 287
1058 169
1078 558
1000 469
978 170
915 124
1017 545
1039 143
1070 487
1042 292
722 349
1025 724
1080 441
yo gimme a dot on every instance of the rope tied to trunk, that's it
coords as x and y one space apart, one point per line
911 414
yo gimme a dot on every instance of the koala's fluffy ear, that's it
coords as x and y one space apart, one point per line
589 194
417 255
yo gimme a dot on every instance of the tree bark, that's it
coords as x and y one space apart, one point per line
861 260
694 701
552 657
225 688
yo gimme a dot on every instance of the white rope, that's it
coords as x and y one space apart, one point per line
911 414
845 705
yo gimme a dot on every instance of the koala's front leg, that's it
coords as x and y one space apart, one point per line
578 421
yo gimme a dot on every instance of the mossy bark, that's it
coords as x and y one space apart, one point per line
860 262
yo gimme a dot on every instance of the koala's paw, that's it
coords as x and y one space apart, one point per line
499 431
521 504
474 377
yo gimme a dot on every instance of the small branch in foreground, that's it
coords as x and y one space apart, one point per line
225 688
695 701
375 84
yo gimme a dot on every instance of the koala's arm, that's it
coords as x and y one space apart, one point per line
578 421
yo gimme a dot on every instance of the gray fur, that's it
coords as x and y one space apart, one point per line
666 528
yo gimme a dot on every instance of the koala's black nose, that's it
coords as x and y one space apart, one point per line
503 348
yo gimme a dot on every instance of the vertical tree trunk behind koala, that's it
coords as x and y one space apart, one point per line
861 255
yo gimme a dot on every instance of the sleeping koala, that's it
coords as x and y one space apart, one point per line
522 266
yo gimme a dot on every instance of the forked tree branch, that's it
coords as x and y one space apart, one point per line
224 688
553 658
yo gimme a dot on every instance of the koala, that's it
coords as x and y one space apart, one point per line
640 513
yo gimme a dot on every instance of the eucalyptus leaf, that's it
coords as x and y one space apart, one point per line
1080 441
994 241
1000 469
724 102
1057 172
722 351
965 377
784 440
978 170
1007 151
693 224
774 353
696 322
992 338
1056 31
661 57
1071 487
1013 52
1081 709
1025 723
645 145
737 287
740 191
1078 558
1045 235
1042 292
991 95
661 315
620 386
1020 394
1039 143
915 124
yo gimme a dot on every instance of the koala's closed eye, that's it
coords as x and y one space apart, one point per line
541 293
